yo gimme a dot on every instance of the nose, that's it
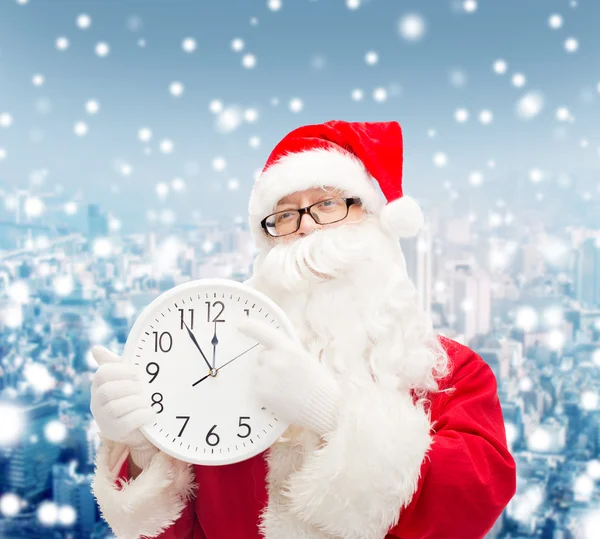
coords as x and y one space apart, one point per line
307 225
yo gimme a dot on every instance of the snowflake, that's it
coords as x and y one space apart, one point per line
476 178
470 6
10 504
352 4
440 159
518 80
571 44
80 129
166 145
145 134
249 61
357 94
254 142
102 49
176 88
500 66
229 119
102 247
219 164
380 95
563 114
189 44
162 190
536 175
37 79
215 106
177 184
461 115
371 58
251 115
530 105
47 513
237 44
92 106
83 21
296 104
412 27
486 117
274 5
6 119
62 43
555 21
458 78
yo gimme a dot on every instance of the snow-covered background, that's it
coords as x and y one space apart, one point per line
175 104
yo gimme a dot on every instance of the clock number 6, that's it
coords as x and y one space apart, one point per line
212 436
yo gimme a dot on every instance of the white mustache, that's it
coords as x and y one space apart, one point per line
324 254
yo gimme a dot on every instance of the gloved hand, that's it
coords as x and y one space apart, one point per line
290 382
118 405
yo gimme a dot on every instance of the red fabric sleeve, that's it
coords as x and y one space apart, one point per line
185 527
468 476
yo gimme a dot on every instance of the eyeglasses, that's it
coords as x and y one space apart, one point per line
324 212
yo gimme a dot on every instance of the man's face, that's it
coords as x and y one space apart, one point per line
302 199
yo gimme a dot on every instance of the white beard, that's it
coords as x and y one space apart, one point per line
347 292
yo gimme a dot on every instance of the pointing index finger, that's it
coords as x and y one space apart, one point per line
266 335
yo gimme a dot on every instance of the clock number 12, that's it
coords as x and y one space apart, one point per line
215 304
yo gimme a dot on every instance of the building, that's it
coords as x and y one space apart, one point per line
587 273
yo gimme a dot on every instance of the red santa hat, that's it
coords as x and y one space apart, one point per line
363 159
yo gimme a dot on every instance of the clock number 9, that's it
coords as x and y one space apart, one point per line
216 318
153 374
157 400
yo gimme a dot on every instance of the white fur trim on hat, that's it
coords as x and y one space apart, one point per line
402 217
307 169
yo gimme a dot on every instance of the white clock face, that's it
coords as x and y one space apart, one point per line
196 366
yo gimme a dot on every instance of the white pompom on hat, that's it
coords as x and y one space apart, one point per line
356 157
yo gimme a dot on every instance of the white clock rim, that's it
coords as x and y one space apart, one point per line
140 324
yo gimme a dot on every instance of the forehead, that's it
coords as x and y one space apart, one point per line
313 192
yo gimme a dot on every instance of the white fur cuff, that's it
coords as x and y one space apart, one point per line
147 505
356 485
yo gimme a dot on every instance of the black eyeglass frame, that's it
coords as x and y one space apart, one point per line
301 211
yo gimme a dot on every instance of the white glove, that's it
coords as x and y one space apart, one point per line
290 382
118 405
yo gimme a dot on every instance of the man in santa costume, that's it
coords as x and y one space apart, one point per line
395 432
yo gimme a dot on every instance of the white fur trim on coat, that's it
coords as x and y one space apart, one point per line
356 485
311 168
150 503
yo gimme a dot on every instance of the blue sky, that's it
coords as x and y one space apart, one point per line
308 50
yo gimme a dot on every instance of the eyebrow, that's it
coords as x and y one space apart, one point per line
329 194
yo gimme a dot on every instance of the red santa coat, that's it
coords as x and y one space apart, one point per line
455 489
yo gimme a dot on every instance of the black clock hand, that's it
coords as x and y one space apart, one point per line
201 379
245 352
197 345
214 342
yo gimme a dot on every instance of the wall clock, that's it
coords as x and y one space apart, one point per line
195 369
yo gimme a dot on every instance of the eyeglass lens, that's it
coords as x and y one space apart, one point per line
288 221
